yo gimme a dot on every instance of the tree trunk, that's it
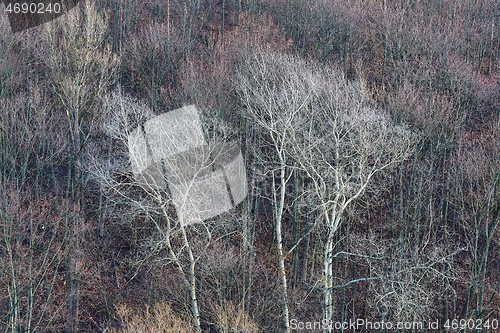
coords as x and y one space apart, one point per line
328 277
192 280
281 256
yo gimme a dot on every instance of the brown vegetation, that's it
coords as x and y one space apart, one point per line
371 134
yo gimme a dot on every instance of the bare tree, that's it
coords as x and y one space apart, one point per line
403 274
81 68
172 167
325 126
34 246
34 231
478 199
259 84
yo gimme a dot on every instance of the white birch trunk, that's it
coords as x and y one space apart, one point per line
192 280
281 255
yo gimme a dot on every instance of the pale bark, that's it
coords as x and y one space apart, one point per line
192 280
279 208
327 128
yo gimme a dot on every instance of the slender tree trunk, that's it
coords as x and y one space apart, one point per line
328 276
296 231
76 182
305 253
250 220
192 280
281 256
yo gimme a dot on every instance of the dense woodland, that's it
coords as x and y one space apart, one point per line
371 136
